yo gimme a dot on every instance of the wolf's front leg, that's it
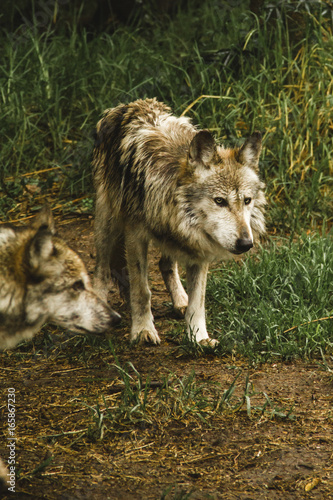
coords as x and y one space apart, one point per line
195 315
143 328
169 270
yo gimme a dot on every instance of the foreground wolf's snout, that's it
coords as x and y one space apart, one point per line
245 242
115 318
243 245
99 319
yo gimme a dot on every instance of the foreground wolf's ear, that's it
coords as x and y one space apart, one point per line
44 218
40 249
202 149
250 151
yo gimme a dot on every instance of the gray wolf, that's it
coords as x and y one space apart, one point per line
43 280
157 177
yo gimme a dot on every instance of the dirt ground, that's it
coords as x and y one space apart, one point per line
229 456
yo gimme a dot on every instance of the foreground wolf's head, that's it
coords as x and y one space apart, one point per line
222 191
42 279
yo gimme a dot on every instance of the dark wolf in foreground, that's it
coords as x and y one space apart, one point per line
42 279
158 178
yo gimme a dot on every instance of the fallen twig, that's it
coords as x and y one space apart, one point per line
308 323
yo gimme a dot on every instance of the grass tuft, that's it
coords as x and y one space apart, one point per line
276 304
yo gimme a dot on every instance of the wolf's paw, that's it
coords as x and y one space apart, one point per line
146 336
150 336
209 342
180 311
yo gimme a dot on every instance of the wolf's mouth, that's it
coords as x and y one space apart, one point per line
238 252
80 329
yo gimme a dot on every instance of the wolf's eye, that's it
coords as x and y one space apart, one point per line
78 285
221 202
247 201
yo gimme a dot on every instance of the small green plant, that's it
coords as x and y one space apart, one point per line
96 431
274 411
40 468
175 494
325 364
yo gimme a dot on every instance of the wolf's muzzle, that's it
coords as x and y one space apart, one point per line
115 318
243 245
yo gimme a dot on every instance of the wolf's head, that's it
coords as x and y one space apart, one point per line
46 282
224 192
58 283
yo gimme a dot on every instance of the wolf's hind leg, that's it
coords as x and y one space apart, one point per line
143 328
118 264
110 252
169 271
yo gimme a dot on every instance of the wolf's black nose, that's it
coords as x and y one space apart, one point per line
243 245
115 318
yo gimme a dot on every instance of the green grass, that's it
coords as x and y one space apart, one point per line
273 74
254 306
137 405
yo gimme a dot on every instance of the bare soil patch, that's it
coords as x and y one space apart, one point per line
232 455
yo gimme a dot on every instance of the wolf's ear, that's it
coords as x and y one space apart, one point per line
40 250
250 151
44 219
202 149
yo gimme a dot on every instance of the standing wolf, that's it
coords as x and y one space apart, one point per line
42 279
158 178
